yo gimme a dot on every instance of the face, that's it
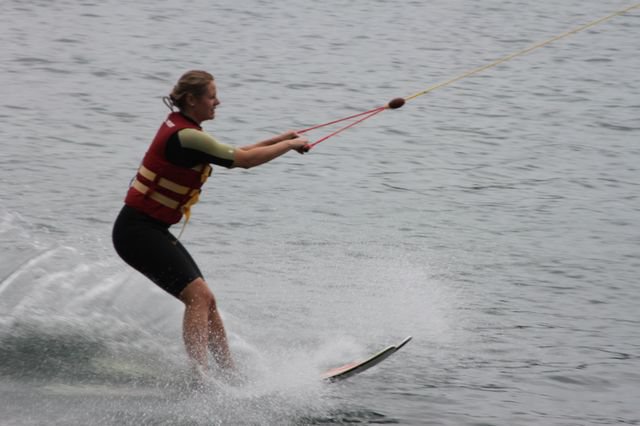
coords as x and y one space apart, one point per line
204 107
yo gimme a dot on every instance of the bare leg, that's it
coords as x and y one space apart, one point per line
202 327
218 343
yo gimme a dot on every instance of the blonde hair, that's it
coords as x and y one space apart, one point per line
194 82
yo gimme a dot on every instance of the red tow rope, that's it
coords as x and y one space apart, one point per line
393 104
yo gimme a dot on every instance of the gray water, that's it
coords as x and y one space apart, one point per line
495 220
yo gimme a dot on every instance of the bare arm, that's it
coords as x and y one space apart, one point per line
265 151
291 134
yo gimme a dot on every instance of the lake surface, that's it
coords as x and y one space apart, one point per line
494 220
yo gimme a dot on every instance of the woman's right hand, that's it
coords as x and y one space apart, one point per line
300 144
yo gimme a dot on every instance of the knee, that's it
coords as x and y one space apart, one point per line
209 299
197 293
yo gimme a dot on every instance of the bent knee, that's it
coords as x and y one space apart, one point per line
198 293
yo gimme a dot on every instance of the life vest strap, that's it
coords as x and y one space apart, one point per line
155 195
162 182
188 196
205 170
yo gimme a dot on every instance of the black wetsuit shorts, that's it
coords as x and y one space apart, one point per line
147 245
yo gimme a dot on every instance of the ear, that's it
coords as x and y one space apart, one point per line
191 100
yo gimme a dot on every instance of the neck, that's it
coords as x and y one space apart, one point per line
190 116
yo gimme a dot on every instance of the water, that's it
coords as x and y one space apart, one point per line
494 220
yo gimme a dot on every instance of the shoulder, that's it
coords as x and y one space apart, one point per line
190 135
203 141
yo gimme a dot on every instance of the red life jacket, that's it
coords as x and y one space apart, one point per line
163 190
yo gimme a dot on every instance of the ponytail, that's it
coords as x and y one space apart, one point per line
194 82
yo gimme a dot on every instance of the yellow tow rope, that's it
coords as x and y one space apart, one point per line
523 51
399 102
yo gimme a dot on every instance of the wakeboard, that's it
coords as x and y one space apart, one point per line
356 367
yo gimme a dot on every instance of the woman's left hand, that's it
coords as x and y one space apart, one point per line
289 134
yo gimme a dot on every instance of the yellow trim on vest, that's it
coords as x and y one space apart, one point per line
172 186
206 170
194 193
164 183
155 195
186 208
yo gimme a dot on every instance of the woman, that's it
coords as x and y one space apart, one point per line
167 184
